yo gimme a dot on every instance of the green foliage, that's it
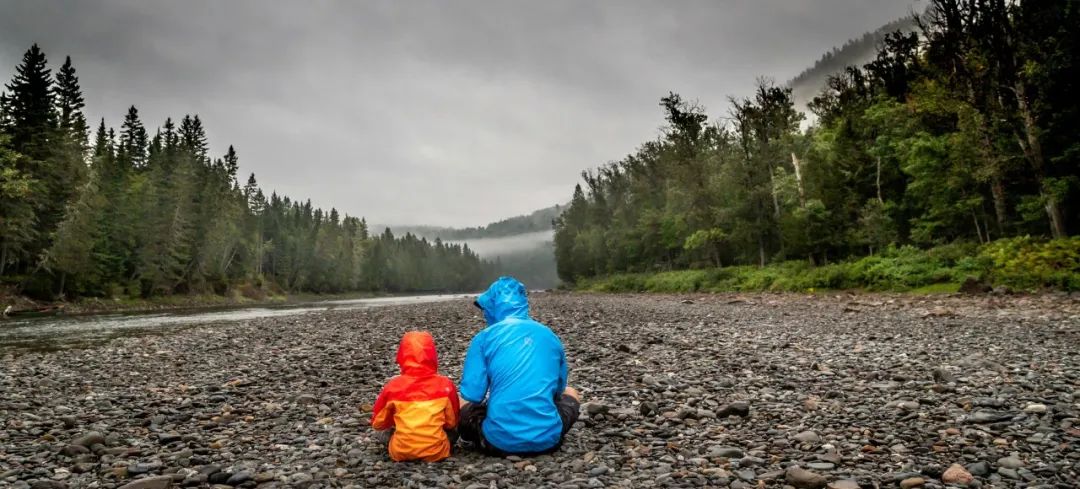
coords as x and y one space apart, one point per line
1027 263
1021 263
964 133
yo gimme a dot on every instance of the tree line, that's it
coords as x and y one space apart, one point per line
141 214
964 130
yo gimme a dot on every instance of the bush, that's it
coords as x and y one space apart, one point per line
1026 263
1021 263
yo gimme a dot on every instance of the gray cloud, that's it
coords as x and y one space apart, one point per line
448 113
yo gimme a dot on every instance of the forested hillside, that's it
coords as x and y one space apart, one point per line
541 220
141 213
855 52
520 246
949 140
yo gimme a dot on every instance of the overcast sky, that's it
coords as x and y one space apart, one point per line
426 112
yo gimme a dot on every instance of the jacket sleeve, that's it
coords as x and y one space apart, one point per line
382 415
474 376
453 409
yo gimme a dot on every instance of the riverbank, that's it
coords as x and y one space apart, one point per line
93 305
691 390
1004 266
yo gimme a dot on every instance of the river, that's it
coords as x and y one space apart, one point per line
59 332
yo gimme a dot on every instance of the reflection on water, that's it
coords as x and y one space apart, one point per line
59 332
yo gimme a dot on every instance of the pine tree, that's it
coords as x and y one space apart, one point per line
29 106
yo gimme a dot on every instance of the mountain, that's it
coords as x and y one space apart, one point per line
521 246
530 223
854 52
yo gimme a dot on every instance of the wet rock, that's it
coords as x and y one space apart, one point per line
1010 462
807 437
160 482
1035 408
75 450
912 483
739 408
89 439
804 479
239 478
984 417
595 408
979 469
956 474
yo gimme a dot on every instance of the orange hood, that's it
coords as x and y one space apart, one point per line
416 355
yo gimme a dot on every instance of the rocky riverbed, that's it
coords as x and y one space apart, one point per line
683 391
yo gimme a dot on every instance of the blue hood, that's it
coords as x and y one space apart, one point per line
506 298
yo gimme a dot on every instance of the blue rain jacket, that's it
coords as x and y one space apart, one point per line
520 365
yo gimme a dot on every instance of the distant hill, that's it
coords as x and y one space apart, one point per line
521 246
855 52
537 221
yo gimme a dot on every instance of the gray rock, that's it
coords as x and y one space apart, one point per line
807 437
979 469
239 478
159 482
1010 462
725 452
804 479
89 439
738 408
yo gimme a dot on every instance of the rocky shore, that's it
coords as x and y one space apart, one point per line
682 391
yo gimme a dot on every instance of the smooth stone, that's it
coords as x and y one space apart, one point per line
1010 462
844 484
957 474
159 482
801 478
90 439
912 483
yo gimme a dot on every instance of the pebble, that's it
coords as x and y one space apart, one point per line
160 482
804 479
956 474
1010 462
912 483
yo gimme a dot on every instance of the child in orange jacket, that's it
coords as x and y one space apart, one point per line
420 406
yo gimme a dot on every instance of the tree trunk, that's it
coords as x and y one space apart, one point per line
978 231
1033 151
798 180
997 188
878 183
761 249
775 198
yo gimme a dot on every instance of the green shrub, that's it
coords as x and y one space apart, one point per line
1022 263
1027 263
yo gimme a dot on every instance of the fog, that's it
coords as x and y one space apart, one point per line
490 248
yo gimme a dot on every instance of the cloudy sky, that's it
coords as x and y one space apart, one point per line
433 112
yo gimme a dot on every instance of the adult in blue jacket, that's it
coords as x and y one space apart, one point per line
516 400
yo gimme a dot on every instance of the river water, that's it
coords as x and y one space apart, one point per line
59 332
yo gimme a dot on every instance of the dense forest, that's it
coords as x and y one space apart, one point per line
140 213
960 134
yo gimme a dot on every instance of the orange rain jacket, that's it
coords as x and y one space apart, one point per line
419 404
